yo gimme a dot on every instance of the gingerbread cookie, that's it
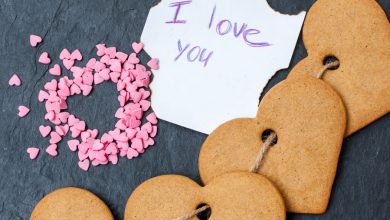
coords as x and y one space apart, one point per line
357 33
238 195
309 119
71 204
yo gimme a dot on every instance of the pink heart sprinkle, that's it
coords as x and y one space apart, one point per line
14 80
154 64
56 70
50 116
72 120
106 138
60 130
149 142
131 133
87 79
65 54
152 118
68 63
33 152
147 127
52 150
137 144
137 47
111 51
131 153
44 58
63 116
121 56
84 165
75 89
54 137
133 58
86 89
97 79
23 111
75 132
44 130
76 55
42 96
113 159
80 125
35 40
145 105
115 65
52 85
101 48
111 149
97 145
73 144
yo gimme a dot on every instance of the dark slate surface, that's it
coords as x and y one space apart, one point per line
362 186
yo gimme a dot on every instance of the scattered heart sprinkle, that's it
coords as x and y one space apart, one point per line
35 40
14 80
44 58
23 111
55 70
33 152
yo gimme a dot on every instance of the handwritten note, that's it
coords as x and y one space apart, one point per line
216 56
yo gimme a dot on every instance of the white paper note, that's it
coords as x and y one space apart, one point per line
216 56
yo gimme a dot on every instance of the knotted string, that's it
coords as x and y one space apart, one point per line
263 150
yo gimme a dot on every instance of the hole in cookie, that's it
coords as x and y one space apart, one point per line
331 59
205 214
267 133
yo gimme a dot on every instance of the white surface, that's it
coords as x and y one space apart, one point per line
203 97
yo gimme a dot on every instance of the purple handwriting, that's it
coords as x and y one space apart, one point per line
194 53
225 26
222 28
178 7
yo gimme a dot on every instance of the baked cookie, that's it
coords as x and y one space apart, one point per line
309 119
239 195
357 33
71 204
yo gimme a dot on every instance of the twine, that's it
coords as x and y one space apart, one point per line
327 67
259 158
264 149
193 213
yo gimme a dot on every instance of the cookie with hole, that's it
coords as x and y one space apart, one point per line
229 196
71 204
357 33
309 120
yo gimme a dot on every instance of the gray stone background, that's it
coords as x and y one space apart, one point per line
362 185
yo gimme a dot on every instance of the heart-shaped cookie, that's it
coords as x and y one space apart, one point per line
239 195
71 204
309 120
357 32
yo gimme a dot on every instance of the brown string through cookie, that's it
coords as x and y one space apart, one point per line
259 158
326 67
194 213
